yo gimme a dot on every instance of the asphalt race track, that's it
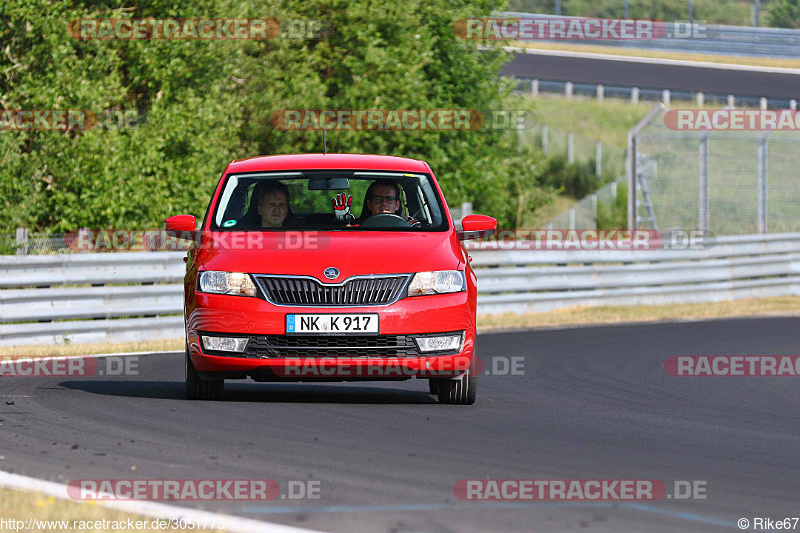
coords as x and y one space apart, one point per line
593 403
545 66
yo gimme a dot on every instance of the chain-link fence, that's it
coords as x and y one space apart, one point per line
583 213
607 163
24 242
577 149
729 183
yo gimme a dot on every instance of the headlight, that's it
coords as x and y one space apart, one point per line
234 283
440 282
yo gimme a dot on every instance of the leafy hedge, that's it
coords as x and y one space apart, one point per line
201 104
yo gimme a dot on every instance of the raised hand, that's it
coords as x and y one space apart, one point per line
341 207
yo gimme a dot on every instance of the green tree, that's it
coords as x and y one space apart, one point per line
784 14
186 126
379 55
200 104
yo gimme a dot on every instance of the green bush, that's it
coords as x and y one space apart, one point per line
614 216
203 103
784 14
572 179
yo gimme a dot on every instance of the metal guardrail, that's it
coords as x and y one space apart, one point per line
135 296
706 38
639 94
57 299
544 280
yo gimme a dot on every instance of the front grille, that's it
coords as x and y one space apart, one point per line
269 346
304 291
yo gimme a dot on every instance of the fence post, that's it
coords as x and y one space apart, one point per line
613 192
594 208
793 104
22 241
635 95
520 132
570 147
762 183
466 209
85 236
544 139
571 218
568 89
631 162
665 96
731 101
534 87
763 103
703 197
631 180
701 99
600 92
598 158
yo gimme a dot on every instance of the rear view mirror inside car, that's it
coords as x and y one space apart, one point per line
328 184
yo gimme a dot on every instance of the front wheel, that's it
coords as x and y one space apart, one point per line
458 391
198 389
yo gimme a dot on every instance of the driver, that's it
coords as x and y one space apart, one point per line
383 197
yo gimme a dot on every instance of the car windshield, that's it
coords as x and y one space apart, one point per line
301 200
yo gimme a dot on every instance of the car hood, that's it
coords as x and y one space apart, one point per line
311 252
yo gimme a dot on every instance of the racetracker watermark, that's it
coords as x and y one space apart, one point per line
593 240
67 120
196 29
401 119
192 489
576 490
435 367
732 120
84 366
733 365
124 240
166 524
558 28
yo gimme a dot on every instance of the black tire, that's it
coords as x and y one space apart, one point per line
433 386
198 389
458 391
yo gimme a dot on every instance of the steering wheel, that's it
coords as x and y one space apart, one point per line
385 220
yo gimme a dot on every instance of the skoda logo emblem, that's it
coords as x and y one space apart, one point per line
331 273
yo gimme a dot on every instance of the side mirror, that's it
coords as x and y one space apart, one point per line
476 227
181 227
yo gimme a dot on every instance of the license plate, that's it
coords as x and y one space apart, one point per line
332 324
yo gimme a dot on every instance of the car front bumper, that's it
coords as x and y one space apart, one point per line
273 356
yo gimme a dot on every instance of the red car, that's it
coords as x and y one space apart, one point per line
329 267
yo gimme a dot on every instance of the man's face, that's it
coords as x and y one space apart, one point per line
273 209
379 203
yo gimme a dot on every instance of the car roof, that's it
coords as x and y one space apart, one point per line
327 161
